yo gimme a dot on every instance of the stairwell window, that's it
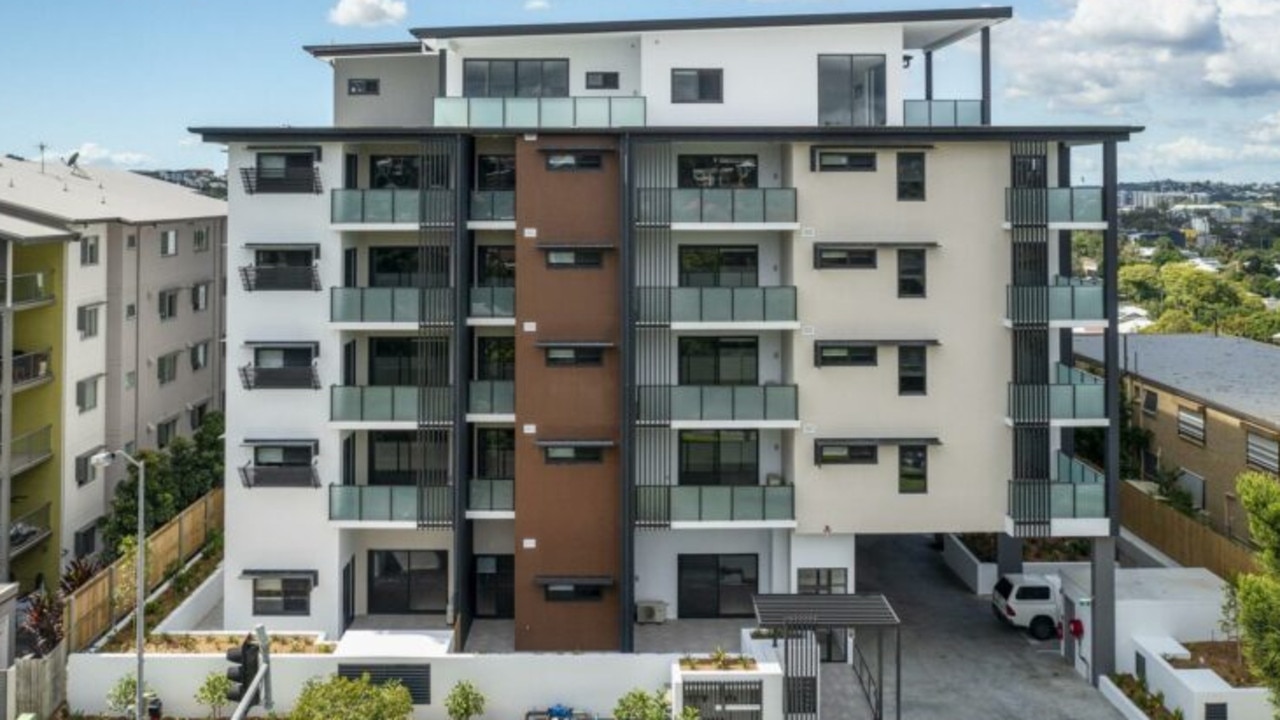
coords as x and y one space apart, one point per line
167 368
87 394
1191 425
697 85
168 243
89 251
912 372
166 431
911 176
200 297
913 469
911 273
168 301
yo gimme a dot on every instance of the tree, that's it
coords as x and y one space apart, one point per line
1259 593
464 701
339 698
1140 283
213 692
1174 322
122 696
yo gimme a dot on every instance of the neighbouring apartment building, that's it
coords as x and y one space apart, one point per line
590 324
1212 406
112 319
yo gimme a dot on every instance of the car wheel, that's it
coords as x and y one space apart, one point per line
1042 628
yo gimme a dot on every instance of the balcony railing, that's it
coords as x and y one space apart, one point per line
280 476
489 495
941 113
1078 491
29 530
1071 395
28 289
390 503
390 206
391 305
492 302
491 397
657 206
668 403
280 277
281 180
660 305
31 368
531 113
30 449
715 503
390 403
489 205
1038 206
1065 300
302 377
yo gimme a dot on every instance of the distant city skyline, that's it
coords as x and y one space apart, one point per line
125 80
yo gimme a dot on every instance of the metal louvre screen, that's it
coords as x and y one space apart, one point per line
1262 452
1191 424
415 678
737 700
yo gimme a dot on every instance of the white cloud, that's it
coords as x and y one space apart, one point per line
1249 62
537 5
91 153
1165 22
368 12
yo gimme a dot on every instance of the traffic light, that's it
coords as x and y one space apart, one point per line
244 668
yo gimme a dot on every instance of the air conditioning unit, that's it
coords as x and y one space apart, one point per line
651 612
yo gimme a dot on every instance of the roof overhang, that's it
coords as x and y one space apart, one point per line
824 611
586 580
354 50
26 231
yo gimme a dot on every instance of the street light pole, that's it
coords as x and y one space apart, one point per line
103 460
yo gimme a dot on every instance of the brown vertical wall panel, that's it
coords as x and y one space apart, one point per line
570 511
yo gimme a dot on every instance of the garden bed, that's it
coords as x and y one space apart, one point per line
1223 657
718 660
160 606
1151 704
983 547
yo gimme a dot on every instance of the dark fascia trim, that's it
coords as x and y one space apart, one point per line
293 442
358 49
575 443
881 343
867 137
576 246
573 344
878 245
882 441
591 580
314 149
576 149
312 575
991 14
314 247
312 345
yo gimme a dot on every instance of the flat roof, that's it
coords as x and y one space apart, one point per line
14 228
364 49
948 25
1234 374
827 611
1184 584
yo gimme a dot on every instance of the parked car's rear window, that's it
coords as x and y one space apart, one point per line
1004 587
1033 592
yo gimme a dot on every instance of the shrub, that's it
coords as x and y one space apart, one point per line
339 698
44 621
213 693
121 696
464 701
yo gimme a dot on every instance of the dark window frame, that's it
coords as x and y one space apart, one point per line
824 581
907 186
719 468
515 64
870 452
581 455
582 356
498 165
715 99
872 359
575 161
1189 435
584 259
850 252
289 592
725 350
718 254
364 86
880 110
904 451
816 165
913 377
1150 402
908 276
573 592
602 80
745 165
86 540
170 428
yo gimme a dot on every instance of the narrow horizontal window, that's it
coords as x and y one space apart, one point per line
602 81
281 596
561 162
571 454
701 85
574 593
845 452
563 356
364 86
827 352
564 259
845 161
843 257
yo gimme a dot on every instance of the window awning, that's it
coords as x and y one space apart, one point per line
272 442
584 580
882 342
552 246
879 244
313 247
885 441
574 344
575 443
584 149
307 344
312 575
824 611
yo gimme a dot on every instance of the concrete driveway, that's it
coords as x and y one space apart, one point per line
959 661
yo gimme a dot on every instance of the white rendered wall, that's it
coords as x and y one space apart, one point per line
657 573
615 53
823 551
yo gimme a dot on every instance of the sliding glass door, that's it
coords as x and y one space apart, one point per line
405 582
711 586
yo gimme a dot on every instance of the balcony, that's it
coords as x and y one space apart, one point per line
534 113
766 506
390 504
1073 398
1072 502
1067 302
1077 208
30 449
396 405
493 209
491 498
717 208
720 406
491 398
490 304
31 369
279 476
391 305
710 308
256 278
288 180
302 377
392 207
29 290
941 113
29 530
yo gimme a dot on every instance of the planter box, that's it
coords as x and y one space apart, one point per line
1119 700
980 577
1191 690
197 605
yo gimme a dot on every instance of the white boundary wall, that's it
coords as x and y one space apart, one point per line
196 607
980 577
1190 690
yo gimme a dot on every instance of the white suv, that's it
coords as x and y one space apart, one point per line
1029 601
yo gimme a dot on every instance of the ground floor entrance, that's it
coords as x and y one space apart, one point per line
403 582
495 591
711 586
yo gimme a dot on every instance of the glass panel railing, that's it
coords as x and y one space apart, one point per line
555 112
716 205
451 112
520 113
720 503
748 206
28 288
717 304
31 367
493 302
390 403
488 495
390 305
591 112
941 113
664 403
1062 301
389 503
1054 205
391 206
487 112
1044 403
29 530
31 448
1038 500
1072 470
488 205
491 397
627 112
780 205
969 112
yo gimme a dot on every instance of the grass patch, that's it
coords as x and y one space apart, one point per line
1223 657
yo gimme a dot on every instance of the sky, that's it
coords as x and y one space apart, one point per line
121 80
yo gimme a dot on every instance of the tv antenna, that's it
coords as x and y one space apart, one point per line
42 147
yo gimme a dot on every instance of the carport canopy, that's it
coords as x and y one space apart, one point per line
825 611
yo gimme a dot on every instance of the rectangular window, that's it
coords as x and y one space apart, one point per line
87 394
912 370
197 414
602 81
1191 425
131 241
717 171
1193 485
167 368
496 172
87 321
719 457
913 469
836 353
911 274
567 259
130 311
89 251
86 540
515 78
574 593
281 596
130 379
285 172
168 301
168 243
844 161
1262 452
200 355
1150 401
84 468
200 240
702 85
571 161
911 176
851 90
568 356
166 431
843 257
822 581
570 454
845 452
719 266
364 86
718 361
200 297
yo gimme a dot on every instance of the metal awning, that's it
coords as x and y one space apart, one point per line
887 441
313 247
579 149
272 442
309 344
573 344
886 342
312 575
585 580
575 443
577 246
824 611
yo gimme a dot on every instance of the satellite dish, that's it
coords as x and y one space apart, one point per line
71 161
